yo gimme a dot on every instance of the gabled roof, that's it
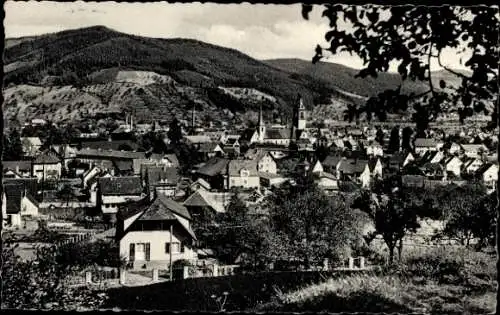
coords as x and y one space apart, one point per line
107 145
47 157
484 168
126 185
158 175
278 133
331 160
111 154
425 142
198 139
202 182
350 166
213 167
235 166
24 166
13 194
164 208
208 147
32 140
28 184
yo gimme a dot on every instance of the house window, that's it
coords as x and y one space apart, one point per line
174 247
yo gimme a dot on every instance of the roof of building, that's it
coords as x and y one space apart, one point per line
195 139
164 208
235 167
126 185
331 160
352 166
123 165
278 133
213 167
32 140
159 175
110 154
425 142
483 168
208 147
12 165
202 182
109 145
325 175
47 157
13 195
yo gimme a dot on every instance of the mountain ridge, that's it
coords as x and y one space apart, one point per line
197 72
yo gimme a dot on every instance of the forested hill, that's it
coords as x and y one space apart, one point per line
97 69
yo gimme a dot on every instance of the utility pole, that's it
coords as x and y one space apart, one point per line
170 251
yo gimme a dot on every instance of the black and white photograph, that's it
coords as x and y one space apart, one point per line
257 158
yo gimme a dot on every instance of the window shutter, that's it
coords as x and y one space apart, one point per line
167 248
148 251
132 252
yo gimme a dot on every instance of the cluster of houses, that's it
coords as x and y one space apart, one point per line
152 206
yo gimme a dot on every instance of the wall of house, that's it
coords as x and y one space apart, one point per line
157 240
28 207
48 169
110 203
365 178
245 182
267 165
328 182
454 167
491 175
15 219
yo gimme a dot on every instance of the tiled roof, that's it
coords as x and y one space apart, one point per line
158 175
331 160
126 185
197 199
163 208
198 139
235 166
110 154
207 147
425 142
107 145
350 166
13 194
30 184
278 133
201 182
23 165
47 157
214 167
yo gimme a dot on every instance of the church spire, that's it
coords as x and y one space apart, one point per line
262 127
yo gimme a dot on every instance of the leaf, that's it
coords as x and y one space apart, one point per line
319 50
306 9
316 58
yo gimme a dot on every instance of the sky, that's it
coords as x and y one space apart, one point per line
262 31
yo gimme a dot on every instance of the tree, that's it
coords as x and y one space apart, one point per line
415 37
175 132
394 140
41 283
309 226
393 212
406 143
469 213
379 136
13 148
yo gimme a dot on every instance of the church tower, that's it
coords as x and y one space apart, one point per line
262 127
300 116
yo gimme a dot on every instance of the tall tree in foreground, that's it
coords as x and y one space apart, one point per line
310 225
394 141
175 132
415 37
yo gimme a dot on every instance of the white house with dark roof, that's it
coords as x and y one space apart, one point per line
454 165
422 145
155 234
47 166
474 150
243 173
488 174
113 192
